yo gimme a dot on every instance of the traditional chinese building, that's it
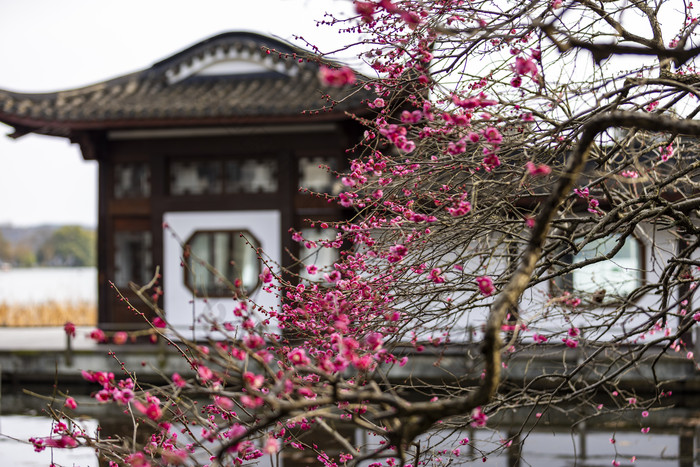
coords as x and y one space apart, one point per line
212 142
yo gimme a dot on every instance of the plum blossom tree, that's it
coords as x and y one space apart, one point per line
516 152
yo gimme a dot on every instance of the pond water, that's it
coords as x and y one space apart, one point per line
562 449
15 450
36 285
559 447
551 448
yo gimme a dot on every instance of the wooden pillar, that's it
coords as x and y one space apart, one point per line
104 240
514 450
686 449
685 293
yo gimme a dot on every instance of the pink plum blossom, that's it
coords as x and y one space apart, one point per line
571 343
667 152
492 135
298 357
179 381
152 410
539 338
479 418
593 206
336 77
98 335
158 322
365 10
581 192
137 459
271 446
537 170
525 66
491 161
435 275
266 276
253 380
205 373
120 337
485 285
63 442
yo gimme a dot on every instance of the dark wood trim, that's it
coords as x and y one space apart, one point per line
129 207
233 146
158 193
64 128
104 245
131 224
219 203
685 292
287 184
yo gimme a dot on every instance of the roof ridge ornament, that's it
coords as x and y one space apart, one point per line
226 60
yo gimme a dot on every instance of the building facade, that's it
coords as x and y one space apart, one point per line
207 148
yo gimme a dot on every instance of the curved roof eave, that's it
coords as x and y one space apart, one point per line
187 89
66 129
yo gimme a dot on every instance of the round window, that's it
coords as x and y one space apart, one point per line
222 263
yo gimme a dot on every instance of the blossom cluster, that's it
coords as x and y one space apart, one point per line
458 144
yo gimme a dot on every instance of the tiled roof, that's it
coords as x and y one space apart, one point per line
194 88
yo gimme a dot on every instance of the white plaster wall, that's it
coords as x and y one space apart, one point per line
659 247
180 305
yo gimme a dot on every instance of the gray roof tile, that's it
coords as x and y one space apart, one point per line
181 89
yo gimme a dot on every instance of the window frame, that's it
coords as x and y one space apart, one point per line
139 271
564 283
230 289
220 165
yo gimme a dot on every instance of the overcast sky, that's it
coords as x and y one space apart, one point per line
50 45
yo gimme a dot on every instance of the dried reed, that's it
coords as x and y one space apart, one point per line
50 313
